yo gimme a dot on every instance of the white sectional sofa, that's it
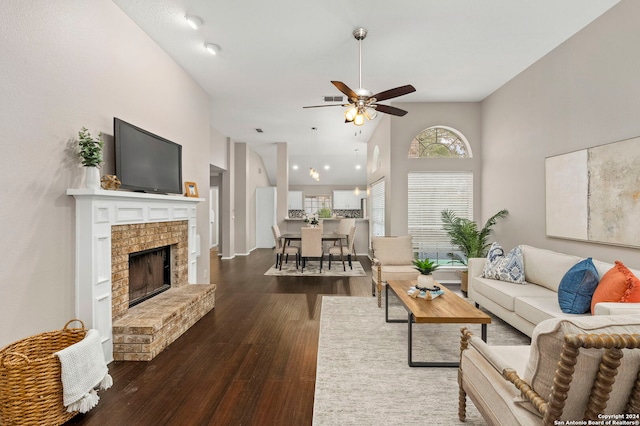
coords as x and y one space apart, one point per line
525 305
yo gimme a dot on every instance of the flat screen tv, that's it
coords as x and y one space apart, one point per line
146 162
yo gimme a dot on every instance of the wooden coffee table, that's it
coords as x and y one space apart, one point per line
448 308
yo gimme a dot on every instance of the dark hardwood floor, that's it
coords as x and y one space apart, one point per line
250 361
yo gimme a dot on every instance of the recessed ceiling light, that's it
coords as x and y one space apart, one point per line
212 48
193 21
358 167
295 167
327 167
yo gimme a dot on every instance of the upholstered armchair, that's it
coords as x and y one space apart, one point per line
574 369
392 260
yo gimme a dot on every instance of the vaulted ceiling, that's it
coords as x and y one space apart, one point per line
277 56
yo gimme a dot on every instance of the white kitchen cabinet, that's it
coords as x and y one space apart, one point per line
295 200
346 200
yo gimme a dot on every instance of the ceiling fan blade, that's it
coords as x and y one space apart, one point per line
345 89
394 93
390 110
323 106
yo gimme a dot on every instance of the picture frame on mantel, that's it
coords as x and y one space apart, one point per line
593 194
191 189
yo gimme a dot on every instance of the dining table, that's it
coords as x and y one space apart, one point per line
330 236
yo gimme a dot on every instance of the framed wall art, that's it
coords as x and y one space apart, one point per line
594 194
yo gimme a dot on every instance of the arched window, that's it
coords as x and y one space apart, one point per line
439 142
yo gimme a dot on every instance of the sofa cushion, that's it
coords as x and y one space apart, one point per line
615 285
546 348
546 267
577 287
393 250
504 293
537 309
509 267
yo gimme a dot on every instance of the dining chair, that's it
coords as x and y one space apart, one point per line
344 226
289 249
311 246
344 250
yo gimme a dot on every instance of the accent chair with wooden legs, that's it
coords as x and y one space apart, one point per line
575 368
392 260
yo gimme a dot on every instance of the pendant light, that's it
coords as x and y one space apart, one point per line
357 190
313 170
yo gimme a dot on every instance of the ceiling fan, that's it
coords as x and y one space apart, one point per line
363 103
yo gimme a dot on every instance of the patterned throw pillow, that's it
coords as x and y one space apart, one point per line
508 268
494 257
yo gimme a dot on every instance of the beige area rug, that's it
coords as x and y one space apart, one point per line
312 269
362 373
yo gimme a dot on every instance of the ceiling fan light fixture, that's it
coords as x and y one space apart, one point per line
212 48
350 113
193 21
370 113
359 119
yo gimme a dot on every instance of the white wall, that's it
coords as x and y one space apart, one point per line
218 149
249 174
64 65
393 137
584 93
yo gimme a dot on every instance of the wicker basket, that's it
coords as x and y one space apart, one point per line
30 384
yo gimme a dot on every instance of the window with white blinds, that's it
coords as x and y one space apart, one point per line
377 209
430 193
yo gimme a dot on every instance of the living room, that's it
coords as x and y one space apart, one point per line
71 64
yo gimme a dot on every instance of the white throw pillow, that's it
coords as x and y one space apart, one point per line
508 268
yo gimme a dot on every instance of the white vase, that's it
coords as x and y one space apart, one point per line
425 280
92 178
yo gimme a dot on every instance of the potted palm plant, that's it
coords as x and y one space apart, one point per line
90 151
425 267
470 240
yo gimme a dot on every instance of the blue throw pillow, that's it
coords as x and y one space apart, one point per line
577 287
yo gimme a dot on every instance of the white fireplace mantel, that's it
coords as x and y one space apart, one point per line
96 212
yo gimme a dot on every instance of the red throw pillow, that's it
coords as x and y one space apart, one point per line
618 284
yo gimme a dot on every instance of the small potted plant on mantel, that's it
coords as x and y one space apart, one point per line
425 267
90 151
470 240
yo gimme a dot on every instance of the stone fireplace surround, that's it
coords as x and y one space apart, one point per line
110 225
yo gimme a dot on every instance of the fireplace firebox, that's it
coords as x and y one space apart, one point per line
149 274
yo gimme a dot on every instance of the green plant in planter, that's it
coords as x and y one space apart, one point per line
465 235
90 148
425 266
324 213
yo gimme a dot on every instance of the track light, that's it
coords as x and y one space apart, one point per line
193 21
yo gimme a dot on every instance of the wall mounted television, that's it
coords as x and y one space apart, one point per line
146 162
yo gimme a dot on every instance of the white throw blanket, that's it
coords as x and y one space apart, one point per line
83 370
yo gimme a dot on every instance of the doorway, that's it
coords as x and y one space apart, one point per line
214 204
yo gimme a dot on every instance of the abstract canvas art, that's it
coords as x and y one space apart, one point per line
594 194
